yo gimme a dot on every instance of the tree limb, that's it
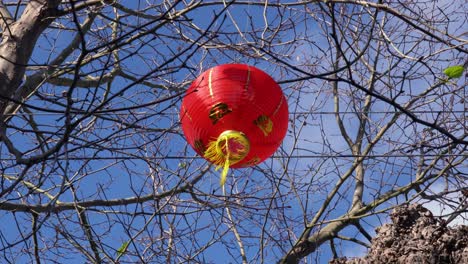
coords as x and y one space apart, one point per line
5 18
66 206
18 44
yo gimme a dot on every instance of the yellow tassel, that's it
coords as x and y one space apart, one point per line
224 173
222 155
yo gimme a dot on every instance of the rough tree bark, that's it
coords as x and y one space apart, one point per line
415 236
18 41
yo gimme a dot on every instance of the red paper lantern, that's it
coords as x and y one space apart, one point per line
234 115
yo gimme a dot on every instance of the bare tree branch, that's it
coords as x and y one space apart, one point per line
5 18
94 165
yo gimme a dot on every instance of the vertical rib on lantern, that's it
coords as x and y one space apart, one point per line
234 115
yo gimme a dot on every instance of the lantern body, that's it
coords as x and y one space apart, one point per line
239 98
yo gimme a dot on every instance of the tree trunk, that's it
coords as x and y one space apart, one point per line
17 43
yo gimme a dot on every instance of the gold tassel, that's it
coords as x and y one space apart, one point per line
220 154
227 163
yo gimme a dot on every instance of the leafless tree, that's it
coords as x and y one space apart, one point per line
94 166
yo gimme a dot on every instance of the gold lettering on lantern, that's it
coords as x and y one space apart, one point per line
218 111
198 144
265 124
252 162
